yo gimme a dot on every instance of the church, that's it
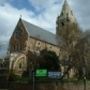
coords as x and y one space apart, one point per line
28 37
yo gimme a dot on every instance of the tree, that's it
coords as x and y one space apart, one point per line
79 55
86 36
46 59
49 60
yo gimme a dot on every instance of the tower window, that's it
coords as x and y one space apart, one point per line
68 19
62 23
71 12
62 14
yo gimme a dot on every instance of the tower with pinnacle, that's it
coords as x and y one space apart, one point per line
66 24
67 28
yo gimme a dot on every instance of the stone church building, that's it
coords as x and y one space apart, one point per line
28 37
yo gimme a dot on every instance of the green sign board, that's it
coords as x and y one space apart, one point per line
41 73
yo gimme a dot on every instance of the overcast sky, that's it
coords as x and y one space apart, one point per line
39 12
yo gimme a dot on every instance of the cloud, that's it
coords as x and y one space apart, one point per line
82 12
41 5
2 2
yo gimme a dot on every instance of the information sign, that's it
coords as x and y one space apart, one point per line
41 73
55 75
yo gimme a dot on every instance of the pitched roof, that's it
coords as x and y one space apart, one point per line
41 34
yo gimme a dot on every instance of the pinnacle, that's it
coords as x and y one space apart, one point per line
67 12
65 1
65 4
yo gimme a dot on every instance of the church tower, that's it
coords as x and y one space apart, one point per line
67 28
66 24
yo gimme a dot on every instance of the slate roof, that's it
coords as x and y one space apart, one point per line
41 34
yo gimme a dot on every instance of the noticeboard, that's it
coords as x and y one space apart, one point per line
55 75
41 73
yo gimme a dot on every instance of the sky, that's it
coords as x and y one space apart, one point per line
39 12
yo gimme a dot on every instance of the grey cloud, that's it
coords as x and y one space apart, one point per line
81 9
2 2
43 4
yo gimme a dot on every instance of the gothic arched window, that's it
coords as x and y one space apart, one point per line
68 19
20 66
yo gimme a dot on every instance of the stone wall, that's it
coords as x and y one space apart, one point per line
51 86
37 45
